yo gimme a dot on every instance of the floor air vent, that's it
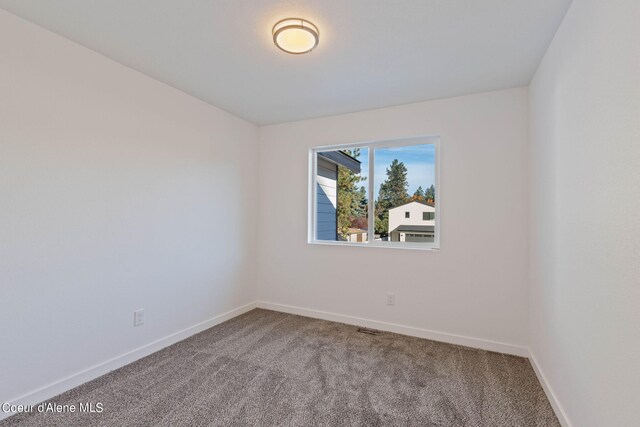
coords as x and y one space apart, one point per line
368 331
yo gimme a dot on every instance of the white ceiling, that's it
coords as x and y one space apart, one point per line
372 53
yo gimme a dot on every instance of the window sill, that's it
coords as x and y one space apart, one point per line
386 245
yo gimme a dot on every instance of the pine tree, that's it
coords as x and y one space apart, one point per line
360 202
351 198
430 194
419 194
393 192
381 223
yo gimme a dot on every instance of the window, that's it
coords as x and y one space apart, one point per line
427 216
341 195
373 194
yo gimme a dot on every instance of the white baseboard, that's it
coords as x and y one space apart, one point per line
401 329
553 400
64 384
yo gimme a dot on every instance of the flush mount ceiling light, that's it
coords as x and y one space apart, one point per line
295 35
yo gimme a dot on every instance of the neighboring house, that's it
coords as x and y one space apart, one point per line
357 235
327 185
412 222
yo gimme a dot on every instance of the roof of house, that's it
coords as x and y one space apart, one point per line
356 231
415 228
342 159
422 202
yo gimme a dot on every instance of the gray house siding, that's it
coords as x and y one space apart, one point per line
327 201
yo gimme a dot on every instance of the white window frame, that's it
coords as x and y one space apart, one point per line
372 146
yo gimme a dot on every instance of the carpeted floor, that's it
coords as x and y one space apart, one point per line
266 368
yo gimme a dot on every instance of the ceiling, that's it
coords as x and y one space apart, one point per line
372 53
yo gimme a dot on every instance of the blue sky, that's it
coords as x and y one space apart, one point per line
419 160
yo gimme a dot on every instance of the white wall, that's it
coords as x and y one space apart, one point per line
585 257
117 193
475 286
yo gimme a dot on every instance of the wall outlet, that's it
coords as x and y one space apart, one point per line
391 298
138 317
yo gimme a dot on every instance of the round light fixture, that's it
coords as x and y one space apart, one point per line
295 35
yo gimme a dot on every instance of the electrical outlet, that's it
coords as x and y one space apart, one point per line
391 298
138 317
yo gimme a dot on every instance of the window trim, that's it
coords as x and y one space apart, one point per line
372 146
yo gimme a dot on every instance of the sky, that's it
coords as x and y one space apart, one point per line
419 160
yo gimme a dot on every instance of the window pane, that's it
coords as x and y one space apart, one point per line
341 195
405 199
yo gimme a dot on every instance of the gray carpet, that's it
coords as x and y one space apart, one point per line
266 368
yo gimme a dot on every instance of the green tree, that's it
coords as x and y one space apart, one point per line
351 197
361 202
381 224
393 192
430 194
419 194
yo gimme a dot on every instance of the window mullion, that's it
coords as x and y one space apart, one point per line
371 208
